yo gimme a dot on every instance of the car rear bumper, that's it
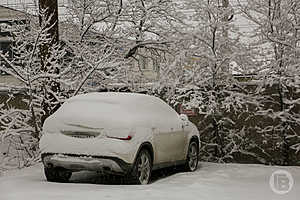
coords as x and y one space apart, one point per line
71 162
95 147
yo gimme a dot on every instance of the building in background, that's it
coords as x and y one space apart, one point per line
8 17
16 12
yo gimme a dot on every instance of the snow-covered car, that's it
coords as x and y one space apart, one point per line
119 133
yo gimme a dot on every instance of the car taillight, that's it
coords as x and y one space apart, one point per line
121 138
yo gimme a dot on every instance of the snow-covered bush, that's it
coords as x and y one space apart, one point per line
255 119
278 30
199 76
19 145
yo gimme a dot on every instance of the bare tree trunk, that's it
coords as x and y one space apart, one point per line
226 19
48 10
50 7
48 18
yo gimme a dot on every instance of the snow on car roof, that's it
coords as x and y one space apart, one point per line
113 97
113 109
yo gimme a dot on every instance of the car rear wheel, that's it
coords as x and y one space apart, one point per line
142 168
192 157
57 175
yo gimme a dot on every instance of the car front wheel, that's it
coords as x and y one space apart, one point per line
192 157
57 175
142 168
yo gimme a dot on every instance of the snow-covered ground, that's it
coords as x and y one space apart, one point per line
211 181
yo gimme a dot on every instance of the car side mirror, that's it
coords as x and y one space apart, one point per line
184 119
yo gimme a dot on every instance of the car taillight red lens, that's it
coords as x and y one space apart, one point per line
121 138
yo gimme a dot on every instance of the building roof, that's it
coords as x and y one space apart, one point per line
9 14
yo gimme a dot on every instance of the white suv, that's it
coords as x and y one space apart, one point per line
119 133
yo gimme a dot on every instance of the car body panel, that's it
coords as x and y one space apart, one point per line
191 131
169 146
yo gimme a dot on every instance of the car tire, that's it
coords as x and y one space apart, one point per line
141 172
57 175
192 157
